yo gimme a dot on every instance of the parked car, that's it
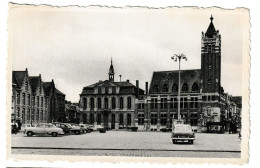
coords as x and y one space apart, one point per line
66 128
90 127
74 128
182 132
84 128
100 128
24 126
44 128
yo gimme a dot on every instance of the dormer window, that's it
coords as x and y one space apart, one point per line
165 88
155 88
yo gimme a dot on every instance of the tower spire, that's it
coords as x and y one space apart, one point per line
111 72
211 18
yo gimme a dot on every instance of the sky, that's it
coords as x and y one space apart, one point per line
74 46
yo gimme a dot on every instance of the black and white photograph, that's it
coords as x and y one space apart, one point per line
131 82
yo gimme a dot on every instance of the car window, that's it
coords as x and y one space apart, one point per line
182 128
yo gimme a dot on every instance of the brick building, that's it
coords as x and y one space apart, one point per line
202 97
109 103
31 102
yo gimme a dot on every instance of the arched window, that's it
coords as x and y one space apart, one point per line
84 103
28 99
23 98
128 119
174 87
91 118
92 103
185 87
26 86
165 88
129 102
113 103
121 102
195 87
99 102
106 103
41 101
155 88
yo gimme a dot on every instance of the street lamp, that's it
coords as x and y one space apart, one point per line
179 58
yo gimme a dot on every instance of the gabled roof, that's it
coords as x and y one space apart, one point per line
18 77
59 92
34 82
169 78
47 87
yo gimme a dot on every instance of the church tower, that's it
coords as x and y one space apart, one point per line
111 72
211 60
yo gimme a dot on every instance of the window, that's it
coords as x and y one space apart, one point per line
113 103
26 86
121 119
209 48
113 118
91 118
41 101
121 102
165 88
18 112
98 119
84 103
155 88
193 119
32 115
23 115
185 87
99 103
209 81
106 103
99 90
141 106
23 98
171 103
38 101
40 88
41 115
106 90
194 102
174 88
92 103
163 103
140 119
204 98
129 103
37 115
29 99
129 119
154 103
175 103
46 102
28 114
163 119
184 103
33 100
18 98
153 119
195 87
113 90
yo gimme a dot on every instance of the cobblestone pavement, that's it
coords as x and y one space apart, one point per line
129 144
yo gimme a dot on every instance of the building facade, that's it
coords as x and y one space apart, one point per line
109 103
31 103
202 98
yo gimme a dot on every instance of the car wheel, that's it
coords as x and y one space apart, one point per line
29 134
173 141
77 132
191 141
54 134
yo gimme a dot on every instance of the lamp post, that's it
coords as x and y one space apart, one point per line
179 58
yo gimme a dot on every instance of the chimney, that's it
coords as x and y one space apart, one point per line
146 88
120 77
127 80
26 69
137 86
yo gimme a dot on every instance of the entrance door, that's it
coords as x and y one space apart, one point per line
105 119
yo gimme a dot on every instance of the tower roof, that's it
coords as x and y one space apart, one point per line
211 29
111 66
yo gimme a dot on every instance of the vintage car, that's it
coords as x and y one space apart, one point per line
65 127
90 127
74 128
84 128
24 126
44 128
100 128
182 132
